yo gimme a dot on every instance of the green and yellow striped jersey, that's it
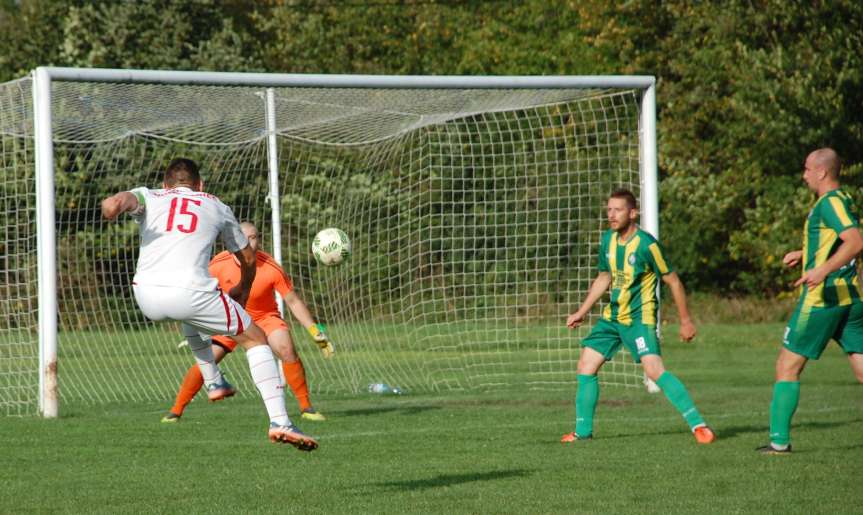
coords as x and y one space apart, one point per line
831 215
634 266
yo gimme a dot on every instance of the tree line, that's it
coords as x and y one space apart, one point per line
745 88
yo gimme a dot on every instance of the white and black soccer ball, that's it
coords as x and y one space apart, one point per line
331 246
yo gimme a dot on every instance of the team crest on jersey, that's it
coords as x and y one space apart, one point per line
631 259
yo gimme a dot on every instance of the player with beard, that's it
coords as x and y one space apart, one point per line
630 262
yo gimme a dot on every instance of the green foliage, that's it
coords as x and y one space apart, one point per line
745 89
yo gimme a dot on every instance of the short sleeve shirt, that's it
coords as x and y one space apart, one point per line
634 265
832 214
269 278
178 228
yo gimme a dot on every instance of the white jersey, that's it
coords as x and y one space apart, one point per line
178 227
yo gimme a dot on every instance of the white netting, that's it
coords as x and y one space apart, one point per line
19 356
475 217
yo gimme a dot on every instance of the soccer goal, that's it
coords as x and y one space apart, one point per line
474 204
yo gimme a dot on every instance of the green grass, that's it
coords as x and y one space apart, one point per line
461 453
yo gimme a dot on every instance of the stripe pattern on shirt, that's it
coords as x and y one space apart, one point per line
832 214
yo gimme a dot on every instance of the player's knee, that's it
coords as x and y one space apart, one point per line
856 360
784 372
283 346
287 354
653 367
653 372
251 337
588 367
589 362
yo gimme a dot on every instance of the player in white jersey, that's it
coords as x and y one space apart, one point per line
178 226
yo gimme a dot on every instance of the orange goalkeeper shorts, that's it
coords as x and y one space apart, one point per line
269 324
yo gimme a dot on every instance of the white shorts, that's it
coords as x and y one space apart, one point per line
211 312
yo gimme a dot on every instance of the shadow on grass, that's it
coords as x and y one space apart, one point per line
445 480
731 432
402 410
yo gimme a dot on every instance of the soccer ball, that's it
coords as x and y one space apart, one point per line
331 246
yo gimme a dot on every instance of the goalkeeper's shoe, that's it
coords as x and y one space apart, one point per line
572 437
313 415
770 449
219 391
171 418
704 434
291 434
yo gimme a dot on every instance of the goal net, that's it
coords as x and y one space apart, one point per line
475 215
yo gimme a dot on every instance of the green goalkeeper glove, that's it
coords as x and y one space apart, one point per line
320 337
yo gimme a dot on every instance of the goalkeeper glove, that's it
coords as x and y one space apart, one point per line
327 347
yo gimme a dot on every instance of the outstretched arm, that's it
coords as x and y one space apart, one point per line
597 289
116 205
687 328
298 308
247 259
301 313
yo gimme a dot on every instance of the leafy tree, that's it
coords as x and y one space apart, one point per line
746 90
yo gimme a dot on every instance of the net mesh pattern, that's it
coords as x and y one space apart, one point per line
475 217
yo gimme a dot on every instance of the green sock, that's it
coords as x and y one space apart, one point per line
679 397
786 395
585 404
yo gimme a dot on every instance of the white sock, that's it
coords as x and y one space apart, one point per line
266 377
203 351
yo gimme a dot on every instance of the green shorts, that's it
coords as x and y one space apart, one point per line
811 329
607 337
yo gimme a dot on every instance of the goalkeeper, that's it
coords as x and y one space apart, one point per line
262 307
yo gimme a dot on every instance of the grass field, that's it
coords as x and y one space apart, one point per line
468 452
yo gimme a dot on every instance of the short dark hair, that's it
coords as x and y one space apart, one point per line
182 170
627 196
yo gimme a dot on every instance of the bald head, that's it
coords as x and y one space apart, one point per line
251 233
826 159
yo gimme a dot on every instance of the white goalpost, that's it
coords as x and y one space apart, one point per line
475 206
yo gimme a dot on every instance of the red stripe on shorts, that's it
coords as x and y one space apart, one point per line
240 327
227 311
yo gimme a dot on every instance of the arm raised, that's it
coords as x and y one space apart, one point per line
116 205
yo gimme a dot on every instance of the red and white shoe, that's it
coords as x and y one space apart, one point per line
291 434
219 391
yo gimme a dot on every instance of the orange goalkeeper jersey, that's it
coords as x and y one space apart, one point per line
268 277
